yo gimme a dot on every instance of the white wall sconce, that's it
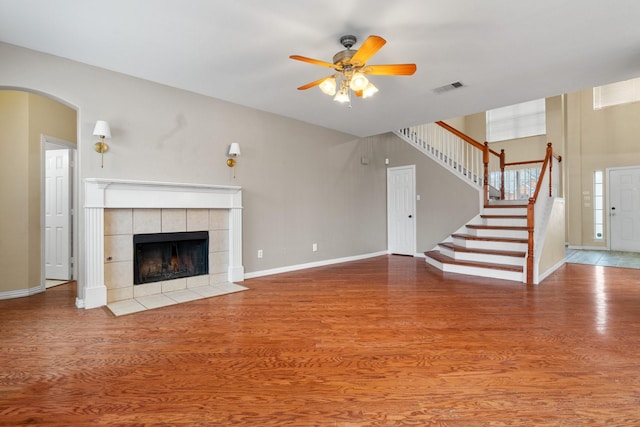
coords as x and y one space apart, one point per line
103 131
234 151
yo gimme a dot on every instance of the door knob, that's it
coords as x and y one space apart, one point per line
410 216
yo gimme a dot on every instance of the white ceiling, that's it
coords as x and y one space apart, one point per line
503 51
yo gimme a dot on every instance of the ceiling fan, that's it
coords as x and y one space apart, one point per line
351 66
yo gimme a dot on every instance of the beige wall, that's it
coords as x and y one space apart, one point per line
553 249
587 140
596 140
14 185
446 202
24 117
302 184
523 149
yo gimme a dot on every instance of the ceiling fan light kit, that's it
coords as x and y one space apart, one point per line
351 70
328 86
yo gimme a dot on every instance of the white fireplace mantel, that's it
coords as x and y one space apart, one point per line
101 194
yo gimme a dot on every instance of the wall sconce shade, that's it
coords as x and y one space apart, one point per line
102 130
234 151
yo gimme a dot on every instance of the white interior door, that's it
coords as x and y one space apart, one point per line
401 221
624 209
57 215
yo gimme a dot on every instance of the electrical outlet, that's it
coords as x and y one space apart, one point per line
314 247
259 253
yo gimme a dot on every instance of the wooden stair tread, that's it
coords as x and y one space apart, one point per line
504 216
505 206
436 255
496 227
489 239
449 245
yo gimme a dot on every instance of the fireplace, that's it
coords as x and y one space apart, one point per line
167 256
125 195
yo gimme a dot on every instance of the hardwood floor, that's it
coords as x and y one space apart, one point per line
384 341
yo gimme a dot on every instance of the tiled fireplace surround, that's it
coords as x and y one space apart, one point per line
115 210
121 224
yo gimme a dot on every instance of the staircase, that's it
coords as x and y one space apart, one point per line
494 244
500 242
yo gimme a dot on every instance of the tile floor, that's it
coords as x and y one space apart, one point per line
149 302
50 283
604 258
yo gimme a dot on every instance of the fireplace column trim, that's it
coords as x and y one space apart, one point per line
236 269
95 291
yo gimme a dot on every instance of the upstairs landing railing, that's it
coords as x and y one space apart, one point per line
487 169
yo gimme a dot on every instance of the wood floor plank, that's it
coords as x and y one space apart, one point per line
384 341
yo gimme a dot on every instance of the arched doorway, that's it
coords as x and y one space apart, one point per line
26 117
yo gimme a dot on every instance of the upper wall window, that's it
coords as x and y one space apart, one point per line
616 94
517 121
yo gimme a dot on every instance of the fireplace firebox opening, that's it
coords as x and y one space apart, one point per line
168 256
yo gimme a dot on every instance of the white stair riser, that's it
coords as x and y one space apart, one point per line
504 211
433 262
505 222
478 271
496 246
480 257
493 232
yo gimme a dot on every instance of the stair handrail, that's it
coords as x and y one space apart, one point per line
486 153
548 162
463 136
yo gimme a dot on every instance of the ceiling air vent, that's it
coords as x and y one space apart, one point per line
450 86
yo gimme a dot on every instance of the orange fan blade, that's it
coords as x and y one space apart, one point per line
390 69
370 46
312 61
312 84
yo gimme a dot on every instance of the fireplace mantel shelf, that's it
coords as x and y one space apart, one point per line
145 184
118 193
101 194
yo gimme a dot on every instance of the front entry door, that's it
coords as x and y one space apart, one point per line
57 215
624 209
401 221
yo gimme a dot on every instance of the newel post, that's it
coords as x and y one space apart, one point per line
485 161
550 157
530 224
502 174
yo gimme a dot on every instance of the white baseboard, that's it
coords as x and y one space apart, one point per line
588 248
19 293
553 268
287 269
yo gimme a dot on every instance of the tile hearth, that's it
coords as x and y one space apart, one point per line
149 302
